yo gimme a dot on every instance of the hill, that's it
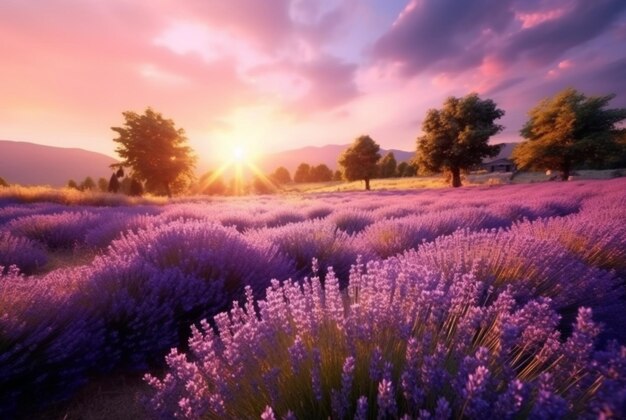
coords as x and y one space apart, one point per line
34 164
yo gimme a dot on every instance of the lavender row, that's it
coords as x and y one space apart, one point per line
161 269
422 215
400 341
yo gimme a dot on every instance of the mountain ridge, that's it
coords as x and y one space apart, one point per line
28 163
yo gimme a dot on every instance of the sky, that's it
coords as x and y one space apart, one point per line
272 75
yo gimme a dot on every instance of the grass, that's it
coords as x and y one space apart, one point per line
68 196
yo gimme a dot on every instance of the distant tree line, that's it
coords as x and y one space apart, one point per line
565 132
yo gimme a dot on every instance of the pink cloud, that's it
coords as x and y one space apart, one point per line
529 20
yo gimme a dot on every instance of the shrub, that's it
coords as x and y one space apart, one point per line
152 284
56 231
47 343
530 266
27 255
352 220
394 344
320 239
392 236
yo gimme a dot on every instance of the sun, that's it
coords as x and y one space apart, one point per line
239 153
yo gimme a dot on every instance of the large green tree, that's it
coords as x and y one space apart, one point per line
567 130
456 137
359 160
156 151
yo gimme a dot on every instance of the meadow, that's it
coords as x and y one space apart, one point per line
493 300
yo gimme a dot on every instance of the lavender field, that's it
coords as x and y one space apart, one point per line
504 301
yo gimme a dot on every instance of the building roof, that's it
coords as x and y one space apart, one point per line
506 150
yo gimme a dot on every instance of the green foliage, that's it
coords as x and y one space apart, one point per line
406 169
387 166
281 176
320 173
359 160
103 184
456 137
88 184
303 173
156 151
569 129
114 184
136 188
3 183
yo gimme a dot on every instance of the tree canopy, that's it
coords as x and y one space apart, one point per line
281 175
303 173
406 169
156 151
360 159
320 173
569 129
387 166
456 137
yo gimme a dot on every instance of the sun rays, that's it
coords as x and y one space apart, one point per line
241 164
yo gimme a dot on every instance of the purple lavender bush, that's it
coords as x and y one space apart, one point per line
48 340
394 343
151 285
320 239
63 230
548 249
27 255
531 267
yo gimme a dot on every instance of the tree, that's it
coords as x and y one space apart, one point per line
402 168
103 185
569 129
303 173
136 188
359 160
114 184
281 175
455 137
387 166
72 184
156 151
406 169
3 183
88 184
320 173
338 175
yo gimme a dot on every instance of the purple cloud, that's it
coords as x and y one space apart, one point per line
453 36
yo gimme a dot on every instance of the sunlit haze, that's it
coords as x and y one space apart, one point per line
239 153
283 74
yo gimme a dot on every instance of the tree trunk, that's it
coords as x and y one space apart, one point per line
456 177
168 191
367 184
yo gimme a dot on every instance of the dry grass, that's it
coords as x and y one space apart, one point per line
71 196
65 258
375 184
